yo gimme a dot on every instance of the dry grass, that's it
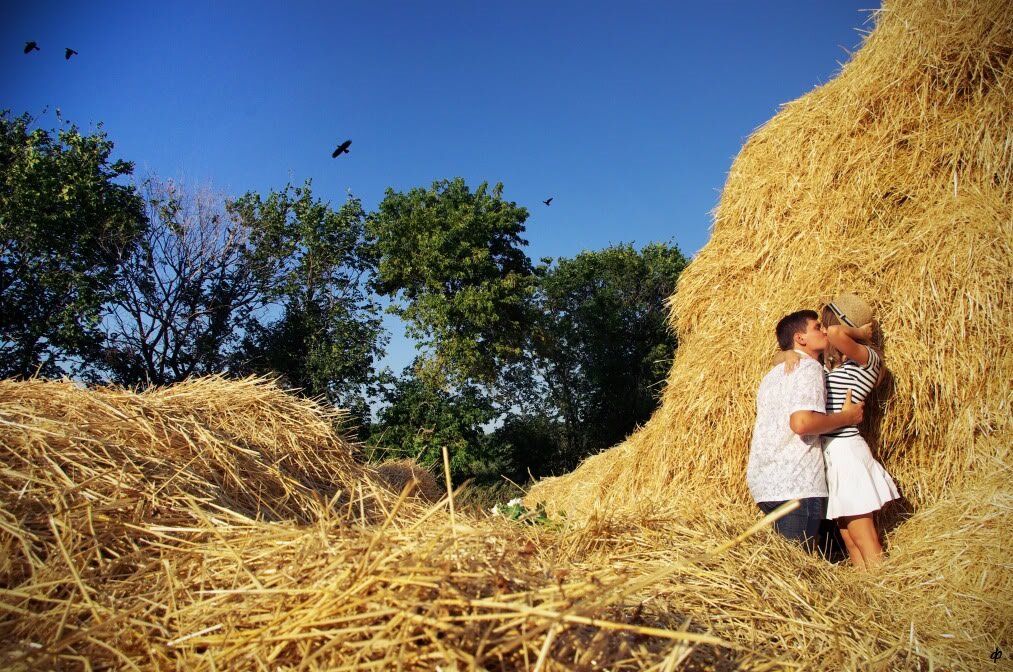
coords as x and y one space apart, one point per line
164 529
121 554
397 474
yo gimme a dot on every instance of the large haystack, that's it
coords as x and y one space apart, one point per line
892 181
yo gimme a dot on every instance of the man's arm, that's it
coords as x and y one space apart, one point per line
805 423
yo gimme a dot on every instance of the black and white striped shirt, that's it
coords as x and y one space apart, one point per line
851 376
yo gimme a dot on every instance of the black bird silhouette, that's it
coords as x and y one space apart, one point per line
548 201
342 149
30 47
68 53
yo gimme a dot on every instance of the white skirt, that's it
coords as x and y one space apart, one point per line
857 483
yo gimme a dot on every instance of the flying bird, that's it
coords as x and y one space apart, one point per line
30 47
68 53
342 149
548 201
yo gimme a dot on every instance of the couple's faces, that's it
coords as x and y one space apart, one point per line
815 335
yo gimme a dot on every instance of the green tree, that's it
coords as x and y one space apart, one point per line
420 418
185 293
66 226
603 346
535 445
329 334
452 261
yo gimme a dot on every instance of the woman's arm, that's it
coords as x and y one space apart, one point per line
789 358
849 340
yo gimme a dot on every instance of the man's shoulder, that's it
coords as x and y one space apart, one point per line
811 365
808 372
808 375
807 367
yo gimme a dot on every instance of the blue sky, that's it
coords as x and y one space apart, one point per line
628 114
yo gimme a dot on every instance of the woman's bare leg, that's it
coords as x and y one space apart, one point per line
863 533
854 552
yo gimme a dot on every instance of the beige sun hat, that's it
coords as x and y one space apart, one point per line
851 310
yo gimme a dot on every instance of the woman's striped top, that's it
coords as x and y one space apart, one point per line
851 376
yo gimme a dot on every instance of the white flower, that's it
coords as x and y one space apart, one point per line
516 501
495 510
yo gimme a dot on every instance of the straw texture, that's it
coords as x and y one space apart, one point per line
397 474
224 524
154 531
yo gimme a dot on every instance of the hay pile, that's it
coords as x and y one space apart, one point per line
93 463
397 474
163 530
895 181
224 525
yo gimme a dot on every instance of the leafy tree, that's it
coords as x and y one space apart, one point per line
534 441
452 261
185 293
420 418
329 334
603 346
66 226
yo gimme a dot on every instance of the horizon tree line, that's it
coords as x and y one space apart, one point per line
524 368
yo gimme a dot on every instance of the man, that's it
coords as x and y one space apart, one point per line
786 455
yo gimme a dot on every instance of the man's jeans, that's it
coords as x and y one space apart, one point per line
802 524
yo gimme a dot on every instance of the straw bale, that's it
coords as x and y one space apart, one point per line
892 181
97 461
397 474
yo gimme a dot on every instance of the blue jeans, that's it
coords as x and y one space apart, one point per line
802 524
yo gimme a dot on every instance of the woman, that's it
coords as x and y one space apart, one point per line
858 485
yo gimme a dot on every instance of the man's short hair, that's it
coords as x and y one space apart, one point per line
791 325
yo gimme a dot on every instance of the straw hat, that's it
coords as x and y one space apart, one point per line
851 310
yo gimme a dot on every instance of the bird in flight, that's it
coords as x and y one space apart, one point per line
68 53
342 149
30 47
548 201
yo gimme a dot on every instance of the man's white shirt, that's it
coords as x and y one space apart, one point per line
782 464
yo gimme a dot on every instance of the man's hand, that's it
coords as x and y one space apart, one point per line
852 412
810 422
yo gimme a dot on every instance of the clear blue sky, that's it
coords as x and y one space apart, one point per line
628 114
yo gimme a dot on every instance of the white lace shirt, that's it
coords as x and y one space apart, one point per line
782 464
